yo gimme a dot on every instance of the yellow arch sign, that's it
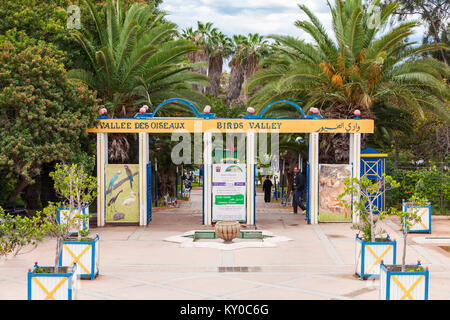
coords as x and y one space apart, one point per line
168 125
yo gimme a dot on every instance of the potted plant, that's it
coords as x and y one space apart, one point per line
83 224
77 189
53 282
60 280
83 250
423 224
372 244
399 282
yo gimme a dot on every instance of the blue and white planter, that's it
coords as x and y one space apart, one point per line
83 253
369 255
424 212
395 285
53 286
63 214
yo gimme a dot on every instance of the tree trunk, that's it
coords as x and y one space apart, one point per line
405 234
214 73
251 68
32 194
335 147
57 254
236 80
199 56
19 188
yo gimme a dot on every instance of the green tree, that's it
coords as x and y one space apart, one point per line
134 59
78 189
42 113
434 15
366 64
407 220
367 192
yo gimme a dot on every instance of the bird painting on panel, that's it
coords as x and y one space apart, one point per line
112 181
129 201
113 199
130 175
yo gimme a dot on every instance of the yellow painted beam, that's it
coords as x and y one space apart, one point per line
168 125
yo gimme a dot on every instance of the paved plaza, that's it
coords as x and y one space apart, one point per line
318 263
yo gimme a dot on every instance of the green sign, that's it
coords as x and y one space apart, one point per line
229 199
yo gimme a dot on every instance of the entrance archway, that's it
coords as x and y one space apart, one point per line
206 123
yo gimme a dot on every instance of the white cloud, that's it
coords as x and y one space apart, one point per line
237 16
251 16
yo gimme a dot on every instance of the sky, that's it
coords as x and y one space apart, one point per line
248 16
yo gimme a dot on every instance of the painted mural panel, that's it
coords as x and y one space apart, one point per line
122 193
331 185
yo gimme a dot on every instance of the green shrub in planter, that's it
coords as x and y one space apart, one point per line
405 281
76 187
82 250
372 244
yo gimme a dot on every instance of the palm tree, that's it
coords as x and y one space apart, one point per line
237 69
256 49
364 65
135 59
200 57
246 56
220 48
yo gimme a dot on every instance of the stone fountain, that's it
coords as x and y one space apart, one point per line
227 230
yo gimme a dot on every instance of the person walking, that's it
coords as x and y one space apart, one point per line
267 188
298 185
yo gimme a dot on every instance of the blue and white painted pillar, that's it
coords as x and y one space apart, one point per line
143 161
355 161
314 177
102 161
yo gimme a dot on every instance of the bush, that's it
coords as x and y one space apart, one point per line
427 183
43 113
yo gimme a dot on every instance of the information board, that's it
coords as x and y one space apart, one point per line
228 192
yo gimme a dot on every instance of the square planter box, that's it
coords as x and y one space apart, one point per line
397 285
84 253
53 286
424 225
63 214
369 255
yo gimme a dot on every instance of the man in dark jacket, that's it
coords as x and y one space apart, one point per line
267 188
297 191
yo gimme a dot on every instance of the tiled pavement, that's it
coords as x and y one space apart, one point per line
136 263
